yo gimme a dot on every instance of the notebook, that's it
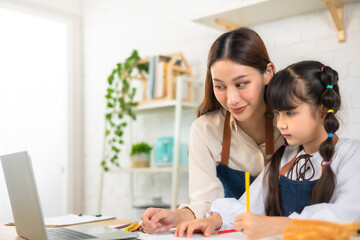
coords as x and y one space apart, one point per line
26 209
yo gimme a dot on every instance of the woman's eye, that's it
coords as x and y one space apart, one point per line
276 113
219 87
239 85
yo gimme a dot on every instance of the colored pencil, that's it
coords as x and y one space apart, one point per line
247 184
225 231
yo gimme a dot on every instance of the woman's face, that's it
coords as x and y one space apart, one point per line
239 88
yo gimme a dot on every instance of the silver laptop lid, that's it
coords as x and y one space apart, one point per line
23 195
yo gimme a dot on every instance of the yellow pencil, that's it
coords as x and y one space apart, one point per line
131 226
247 184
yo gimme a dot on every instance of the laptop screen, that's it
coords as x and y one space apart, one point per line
23 195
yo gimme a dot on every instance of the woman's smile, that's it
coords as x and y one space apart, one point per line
238 110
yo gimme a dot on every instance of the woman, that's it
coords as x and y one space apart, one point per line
233 127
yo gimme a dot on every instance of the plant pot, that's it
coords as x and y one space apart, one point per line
140 160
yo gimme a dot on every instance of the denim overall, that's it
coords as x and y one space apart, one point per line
232 180
295 195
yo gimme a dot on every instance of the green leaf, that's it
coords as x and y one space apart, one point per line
115 149
118 133
110 79
108 116
141 147
144 67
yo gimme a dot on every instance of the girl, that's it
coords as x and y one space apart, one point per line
316 176
232 133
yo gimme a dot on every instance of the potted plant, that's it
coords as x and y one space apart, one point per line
140 155
120 103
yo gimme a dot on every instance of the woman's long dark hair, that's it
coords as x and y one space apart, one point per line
243 46
308 82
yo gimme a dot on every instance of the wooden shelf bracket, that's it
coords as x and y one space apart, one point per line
228 25
337 12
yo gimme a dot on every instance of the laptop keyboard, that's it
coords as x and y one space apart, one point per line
66 234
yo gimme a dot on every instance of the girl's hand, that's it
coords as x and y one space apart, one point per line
207 226
259 226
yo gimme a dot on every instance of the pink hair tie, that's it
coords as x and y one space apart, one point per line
325 163
322 69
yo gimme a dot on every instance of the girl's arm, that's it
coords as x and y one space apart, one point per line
229 208
207 226
260 226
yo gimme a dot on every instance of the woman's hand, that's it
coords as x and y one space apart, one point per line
207 226
157 220
259 226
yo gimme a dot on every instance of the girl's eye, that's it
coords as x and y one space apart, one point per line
290 114
276 113
239 85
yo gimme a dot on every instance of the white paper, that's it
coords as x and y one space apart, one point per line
72 219
169 235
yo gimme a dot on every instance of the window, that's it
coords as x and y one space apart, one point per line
34 103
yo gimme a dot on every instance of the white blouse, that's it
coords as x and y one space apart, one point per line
344 205
205 148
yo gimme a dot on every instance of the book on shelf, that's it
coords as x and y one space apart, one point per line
156 86
160 82
151 80
159 79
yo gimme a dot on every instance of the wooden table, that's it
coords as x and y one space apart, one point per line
9 232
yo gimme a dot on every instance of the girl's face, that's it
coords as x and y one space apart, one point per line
239 88
302 126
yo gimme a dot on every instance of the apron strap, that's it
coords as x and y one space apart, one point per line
269 131
286 167
225 153
269 135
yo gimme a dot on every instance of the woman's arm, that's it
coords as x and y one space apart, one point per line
204 186
159 220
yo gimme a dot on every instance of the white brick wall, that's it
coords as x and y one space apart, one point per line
113 28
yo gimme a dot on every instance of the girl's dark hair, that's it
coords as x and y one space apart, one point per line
308 82
243 46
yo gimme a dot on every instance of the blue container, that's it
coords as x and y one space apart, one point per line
164 148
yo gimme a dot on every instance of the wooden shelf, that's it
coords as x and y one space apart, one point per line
162 105
252 12
176 106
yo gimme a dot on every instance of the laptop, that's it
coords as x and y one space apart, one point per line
26 209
